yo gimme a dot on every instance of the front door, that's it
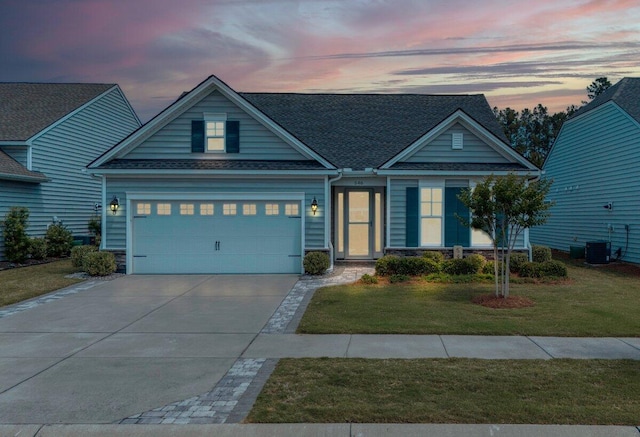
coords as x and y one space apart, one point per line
359 232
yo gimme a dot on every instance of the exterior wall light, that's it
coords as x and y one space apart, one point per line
114 205
314 205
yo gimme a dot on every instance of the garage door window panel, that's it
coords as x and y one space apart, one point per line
249 209
292 209
163 208
186 209
229 209
206 209
272 209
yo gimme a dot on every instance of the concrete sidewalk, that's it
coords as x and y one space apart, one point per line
441 346
317 430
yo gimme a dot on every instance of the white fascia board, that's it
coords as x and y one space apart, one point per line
179 107
71 114
479 130
200 173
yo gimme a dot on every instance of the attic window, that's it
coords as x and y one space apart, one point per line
215 132
457 140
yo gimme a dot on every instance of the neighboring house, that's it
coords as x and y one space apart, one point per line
49 133
228 182
595 167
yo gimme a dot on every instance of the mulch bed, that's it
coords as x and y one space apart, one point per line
491 301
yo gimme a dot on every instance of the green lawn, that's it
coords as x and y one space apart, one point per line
27 282
451 391
594 302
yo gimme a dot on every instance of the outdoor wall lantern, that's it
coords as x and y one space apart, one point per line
314 205
114 205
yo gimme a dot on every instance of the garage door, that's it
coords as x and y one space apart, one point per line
221 236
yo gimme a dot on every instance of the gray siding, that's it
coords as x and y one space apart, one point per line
398 205
474 151
314 232
595 160
62 153
174 140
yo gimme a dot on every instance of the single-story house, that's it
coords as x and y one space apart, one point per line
229 182
49 133
595 167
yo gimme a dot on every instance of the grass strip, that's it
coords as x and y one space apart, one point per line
589 392
27 282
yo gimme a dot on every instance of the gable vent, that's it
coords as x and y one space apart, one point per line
457 140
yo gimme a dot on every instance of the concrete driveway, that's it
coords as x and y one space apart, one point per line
129 345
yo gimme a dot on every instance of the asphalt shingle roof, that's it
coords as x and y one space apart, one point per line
365 130
625 94
457 166
12 169
28 108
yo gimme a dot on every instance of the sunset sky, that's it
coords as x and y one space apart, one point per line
518 53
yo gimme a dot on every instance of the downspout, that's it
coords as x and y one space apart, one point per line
526 231
328 226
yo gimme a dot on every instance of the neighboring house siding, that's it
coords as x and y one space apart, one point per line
314 232
474 149
174 140
595 160
62 154
398 205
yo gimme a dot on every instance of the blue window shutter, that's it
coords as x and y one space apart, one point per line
455 234
412 217
197 136
233 137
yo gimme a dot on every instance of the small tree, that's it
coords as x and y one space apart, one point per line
504 207
16 241
597 87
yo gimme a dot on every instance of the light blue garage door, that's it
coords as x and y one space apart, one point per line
244 236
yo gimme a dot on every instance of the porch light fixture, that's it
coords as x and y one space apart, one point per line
114 205
314 205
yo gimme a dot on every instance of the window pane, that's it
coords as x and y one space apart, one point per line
436 194
186 209
431 231
164 209
215 144
249 209
271 209
143 208
480 238
425 194
436 209
425 209
229 209
206 209
291 209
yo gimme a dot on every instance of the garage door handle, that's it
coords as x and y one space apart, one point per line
139 256
295 256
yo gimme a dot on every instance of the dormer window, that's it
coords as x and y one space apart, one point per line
215 132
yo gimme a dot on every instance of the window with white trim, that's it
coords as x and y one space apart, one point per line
214 131
431 202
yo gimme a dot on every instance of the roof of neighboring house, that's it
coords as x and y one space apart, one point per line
366 130
210 164
28 108
625 94
12 169
461 166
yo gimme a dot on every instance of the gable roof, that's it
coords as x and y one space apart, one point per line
362 131
625 93
13 170
28 108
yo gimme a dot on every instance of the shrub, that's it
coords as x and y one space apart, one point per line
59 240
462 266
530 270
38 248
516 261
398 278
95 225
79 254
368 279
100 263
541 254
553 269
478 261
316 263
16 240
387 265
438 257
